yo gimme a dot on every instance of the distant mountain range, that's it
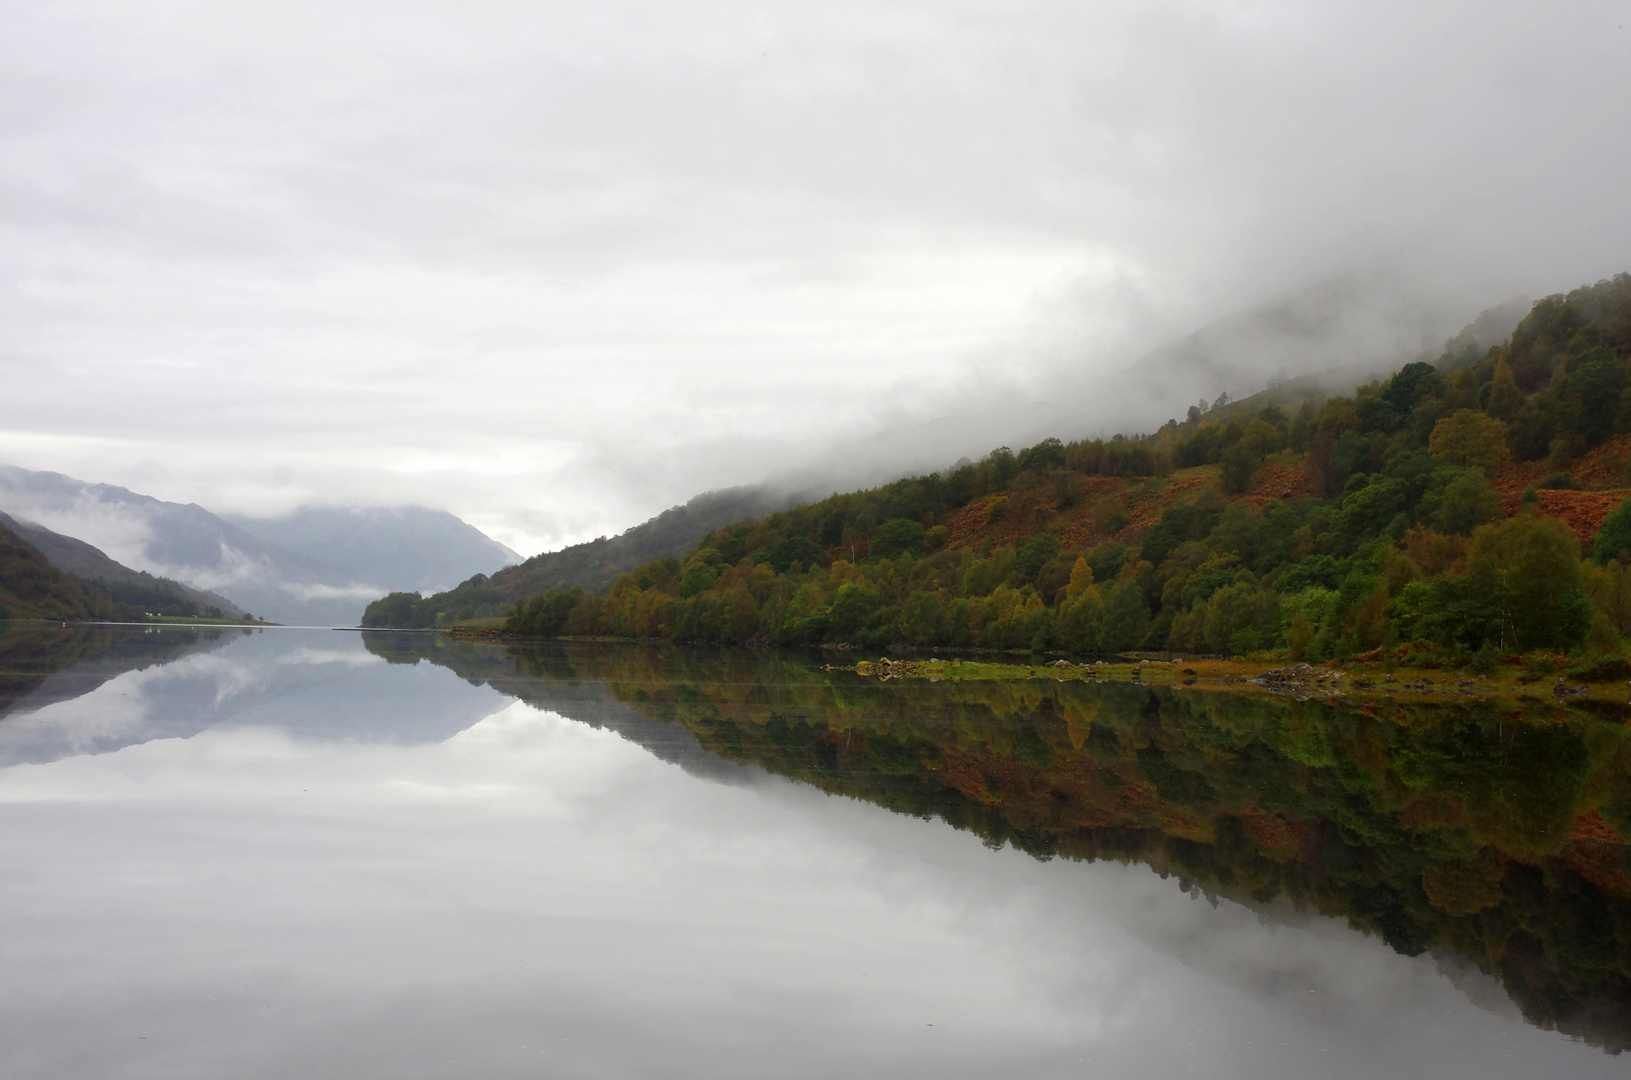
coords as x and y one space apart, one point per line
410 547
318 566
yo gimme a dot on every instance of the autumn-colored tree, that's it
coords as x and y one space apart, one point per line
1471 439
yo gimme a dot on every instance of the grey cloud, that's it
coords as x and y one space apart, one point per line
677 246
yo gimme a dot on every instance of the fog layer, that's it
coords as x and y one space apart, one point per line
556 267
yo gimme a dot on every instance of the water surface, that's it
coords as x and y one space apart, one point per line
315 853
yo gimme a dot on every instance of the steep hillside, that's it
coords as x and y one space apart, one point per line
185 543
31 588
135 589
592 566
1443 507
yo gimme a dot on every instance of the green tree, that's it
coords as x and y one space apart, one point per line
1472 440
1614 538
1261 438
1468 501
896 536
1537 562
1505 399
1590 396
852 606
1034 554
1239 463
1125 617
794 549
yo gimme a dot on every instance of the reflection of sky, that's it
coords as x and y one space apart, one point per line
528 896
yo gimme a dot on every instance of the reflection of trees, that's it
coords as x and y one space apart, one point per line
1497 832
30 654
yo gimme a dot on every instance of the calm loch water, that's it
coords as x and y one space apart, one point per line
321 854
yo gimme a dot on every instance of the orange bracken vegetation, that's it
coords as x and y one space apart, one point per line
1582 511
1276 483
1602 467
1141 500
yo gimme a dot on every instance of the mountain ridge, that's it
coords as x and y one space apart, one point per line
187 543
135 588
594 563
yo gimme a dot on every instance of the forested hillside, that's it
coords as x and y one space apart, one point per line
592 566
1448 505
31 588
133 592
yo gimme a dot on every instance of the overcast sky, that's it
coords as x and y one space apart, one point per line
555 267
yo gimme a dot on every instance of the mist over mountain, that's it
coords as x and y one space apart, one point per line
135 587
1318 341
191 545
1330 335
409 547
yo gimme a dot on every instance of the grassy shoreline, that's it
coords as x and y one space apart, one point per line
1355 681
1381 676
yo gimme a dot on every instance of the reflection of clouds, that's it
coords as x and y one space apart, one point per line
536 897
351 658
126 703
174 698
112 709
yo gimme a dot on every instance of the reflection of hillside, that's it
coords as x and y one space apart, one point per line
1499 837
548 680
42 666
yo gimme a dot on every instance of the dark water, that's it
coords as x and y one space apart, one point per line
318 854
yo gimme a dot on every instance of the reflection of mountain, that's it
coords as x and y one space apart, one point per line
547 680
40 667
315 686
1500 837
